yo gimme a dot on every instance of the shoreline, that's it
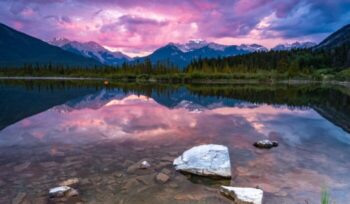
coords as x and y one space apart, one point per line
192 81
50 78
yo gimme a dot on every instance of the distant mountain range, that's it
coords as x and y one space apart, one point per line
182 54
296 45
17 49
175 53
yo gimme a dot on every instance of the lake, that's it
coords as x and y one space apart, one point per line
51 131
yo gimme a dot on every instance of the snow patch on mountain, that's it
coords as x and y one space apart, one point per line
91 50
253 48
295 45
198 44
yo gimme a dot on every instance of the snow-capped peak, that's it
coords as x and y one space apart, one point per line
59 41
216 46
295 45
91 49
191 45
253 48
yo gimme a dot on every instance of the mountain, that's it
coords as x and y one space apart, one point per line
182 54
17 49
296 45
338 38
167 54
198 44
91 50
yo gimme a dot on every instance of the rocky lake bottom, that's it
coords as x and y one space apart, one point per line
100 136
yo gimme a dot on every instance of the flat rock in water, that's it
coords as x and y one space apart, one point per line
69 182
266 144
142 164
243 195
162 178
205 160
62 191
145 165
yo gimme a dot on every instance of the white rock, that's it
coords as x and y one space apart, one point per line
145 165
205 160
243 195
59 191
62 191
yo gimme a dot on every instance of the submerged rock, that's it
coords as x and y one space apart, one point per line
162 178
145 165
142 164
205 160
243 195
62 191
266 144
69 182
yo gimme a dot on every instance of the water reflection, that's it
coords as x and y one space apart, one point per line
96 137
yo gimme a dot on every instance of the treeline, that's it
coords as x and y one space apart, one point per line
294 61
136 68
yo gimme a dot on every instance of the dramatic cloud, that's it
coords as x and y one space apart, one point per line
138 26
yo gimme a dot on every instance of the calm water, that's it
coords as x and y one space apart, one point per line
53 131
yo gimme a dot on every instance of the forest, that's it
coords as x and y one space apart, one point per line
318 64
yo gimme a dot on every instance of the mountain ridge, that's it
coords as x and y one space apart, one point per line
183 54
92 50
336 39
295 45
18 49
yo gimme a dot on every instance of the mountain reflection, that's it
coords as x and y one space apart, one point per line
110 114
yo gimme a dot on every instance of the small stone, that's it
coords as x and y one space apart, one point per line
118 175
130 184
173 185
145 165
166 171
243 195
19 198
58 192
69 182
72 193
162 178
146 179
266 144
62 191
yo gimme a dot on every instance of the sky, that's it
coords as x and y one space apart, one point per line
138 27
